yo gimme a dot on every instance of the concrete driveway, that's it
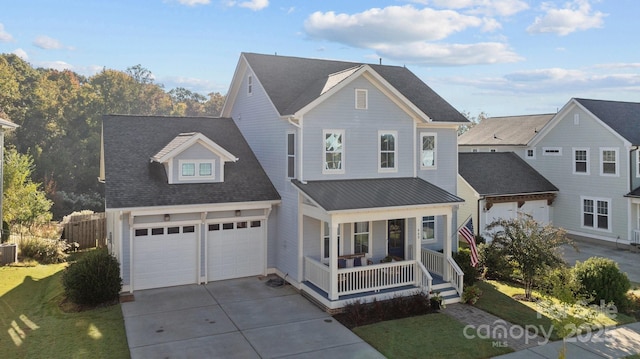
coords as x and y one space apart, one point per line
240 318
628 260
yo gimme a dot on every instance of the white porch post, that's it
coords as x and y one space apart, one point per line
333 260
447 244
417 251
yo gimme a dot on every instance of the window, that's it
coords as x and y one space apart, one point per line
157 231
552 151
428 228
530 153
226 226
141 232
428 153
609 161
188 229
361 99
333 151
581 160
576 119
326 235
256 224
214 227
595 213
250 85
241 225
361 238
387 151
291 155
173 230
196 169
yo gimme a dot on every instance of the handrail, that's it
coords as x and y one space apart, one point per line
425 274
456 275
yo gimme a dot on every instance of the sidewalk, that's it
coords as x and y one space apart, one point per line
616 342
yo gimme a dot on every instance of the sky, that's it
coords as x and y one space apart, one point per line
498 57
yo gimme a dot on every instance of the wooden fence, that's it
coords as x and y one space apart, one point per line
88 230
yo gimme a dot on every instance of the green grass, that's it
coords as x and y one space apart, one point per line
497 300
32 325
428 336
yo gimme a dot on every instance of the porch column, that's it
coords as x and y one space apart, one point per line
417 251
447 244
333 260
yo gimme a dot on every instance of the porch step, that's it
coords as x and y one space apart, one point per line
447 292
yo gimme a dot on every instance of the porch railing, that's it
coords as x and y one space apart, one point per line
376 277
317 273
456 275
425 279
636 237
434 261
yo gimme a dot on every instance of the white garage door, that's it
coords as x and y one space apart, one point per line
501 210
539 210
164 257
235 249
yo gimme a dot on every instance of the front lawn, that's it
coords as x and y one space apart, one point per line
32 325
427 336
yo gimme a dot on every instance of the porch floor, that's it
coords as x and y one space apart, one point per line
357 295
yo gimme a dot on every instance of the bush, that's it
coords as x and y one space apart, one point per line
471 294
602 278
495 266
561 283
358 313
6 232
94 279
45 251
463 258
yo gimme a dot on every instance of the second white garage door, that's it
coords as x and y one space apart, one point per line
235 249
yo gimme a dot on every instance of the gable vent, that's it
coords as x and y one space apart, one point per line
361 99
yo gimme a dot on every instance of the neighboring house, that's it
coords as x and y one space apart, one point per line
4 126
186 200
501 185
364 158
589 150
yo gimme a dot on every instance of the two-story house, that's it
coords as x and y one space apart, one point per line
355 166
589 150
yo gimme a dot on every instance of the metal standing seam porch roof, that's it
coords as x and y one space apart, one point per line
353 194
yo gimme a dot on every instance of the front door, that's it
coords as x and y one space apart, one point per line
395 237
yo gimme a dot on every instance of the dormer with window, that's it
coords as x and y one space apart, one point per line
193 158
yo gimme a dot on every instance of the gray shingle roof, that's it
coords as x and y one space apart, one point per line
501 173
622 117
294 82
505 131
336 195
132 180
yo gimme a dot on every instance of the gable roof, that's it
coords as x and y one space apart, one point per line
336 195
293 82
501 173
622 117
505 131
132 180
184 140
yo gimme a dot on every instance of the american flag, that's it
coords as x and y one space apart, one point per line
466 232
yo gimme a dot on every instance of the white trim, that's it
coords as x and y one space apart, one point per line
340 170
588 164
250 84
287 155
205 141
193 208
637 165
526 153
435 150
595 213
617 161
552 151
196 176
394 152
369 237
366 99
435 228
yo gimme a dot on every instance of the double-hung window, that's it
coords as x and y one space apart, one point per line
291 155
388 150
581 161
333 151
361 238
428 151
596 213
608 161
428 228
326 241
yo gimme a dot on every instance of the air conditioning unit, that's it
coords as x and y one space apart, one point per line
8 253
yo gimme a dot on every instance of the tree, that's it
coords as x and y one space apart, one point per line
24 202
472 121
531 247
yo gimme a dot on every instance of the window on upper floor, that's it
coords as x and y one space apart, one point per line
291 155
596 213
581 161
428 151
428 229
388 149
361 238
362 101
250 85
333 151
552 151
608 161
196 169
638 168
530 153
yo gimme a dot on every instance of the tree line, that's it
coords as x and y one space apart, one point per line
60 118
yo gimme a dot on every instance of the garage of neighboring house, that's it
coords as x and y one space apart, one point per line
501 185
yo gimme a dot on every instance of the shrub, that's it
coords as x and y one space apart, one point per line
561 284
358 313
45 251
602 278
6 232
463 258
94 279
495 266
471 294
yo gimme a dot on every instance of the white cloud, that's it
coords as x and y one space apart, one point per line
47 43
450 54
254 5
56 65
484 7
393 24
192 84
194 2
575 16
5 36
21 54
